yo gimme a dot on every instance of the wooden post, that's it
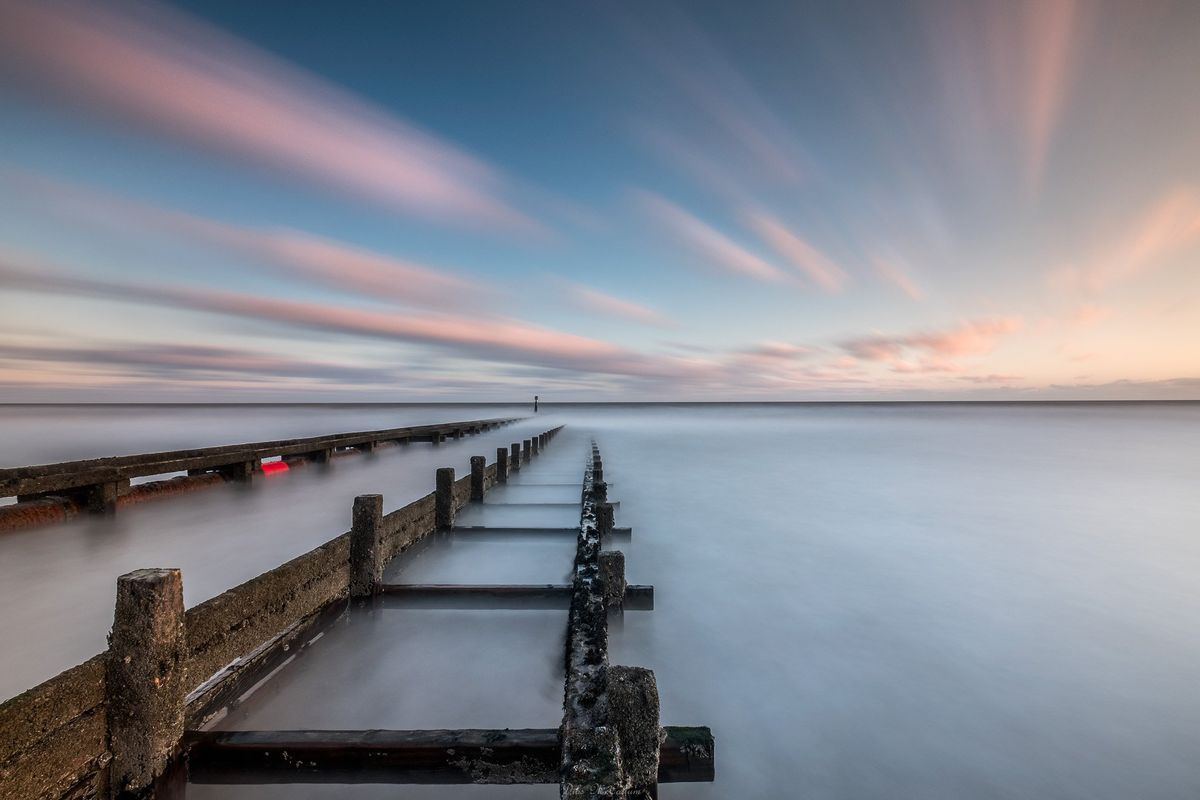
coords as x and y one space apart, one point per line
145 679
102 498
443 503
366 545
633 710
502 464
526 451
242 471
536 442
612 573
478 470
605 518
515 461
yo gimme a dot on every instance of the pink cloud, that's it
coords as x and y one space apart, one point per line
293 253
1006 70
890 271
163 71
707 242
608 305
467 337
1168 226
932 351
799 253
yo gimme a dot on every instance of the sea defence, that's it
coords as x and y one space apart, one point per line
51 493
132 721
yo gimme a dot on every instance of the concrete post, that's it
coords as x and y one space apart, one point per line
526 451
502 465
443 501
145 679
515 461
633 709
612 573
366 545
478 467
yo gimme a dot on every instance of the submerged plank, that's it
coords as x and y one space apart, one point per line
518 755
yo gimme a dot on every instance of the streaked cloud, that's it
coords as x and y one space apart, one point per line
184 361
472 337
606 304
295 254
808 260
159 70
1168 226
706 241
890 271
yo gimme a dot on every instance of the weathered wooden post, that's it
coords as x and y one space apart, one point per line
515 461
443 501
526 450
478 471
536 442
102 498
366 545
605 518
145 679
502 464
612 573
633 709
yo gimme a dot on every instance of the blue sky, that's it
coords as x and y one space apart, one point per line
374 201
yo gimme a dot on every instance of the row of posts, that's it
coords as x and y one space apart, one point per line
147 651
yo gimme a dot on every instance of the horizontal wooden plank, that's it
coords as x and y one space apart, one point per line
524 755
487 529
547 595
70 475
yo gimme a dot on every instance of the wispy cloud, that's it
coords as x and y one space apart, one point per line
291 253
810 261
183 361
607 305
932 350
468 337
722 97
1007 67
707 242
1168 226
890 271
162 71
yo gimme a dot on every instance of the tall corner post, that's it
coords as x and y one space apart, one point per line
366 545
145 679
478 477
443 501
502 464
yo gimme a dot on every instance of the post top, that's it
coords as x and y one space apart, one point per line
150 574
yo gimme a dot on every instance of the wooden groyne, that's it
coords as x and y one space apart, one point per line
131 721
54 492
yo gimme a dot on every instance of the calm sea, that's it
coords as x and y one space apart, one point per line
862 601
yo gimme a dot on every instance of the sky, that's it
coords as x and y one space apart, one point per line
429 201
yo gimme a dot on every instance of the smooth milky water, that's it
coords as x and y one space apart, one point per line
864 601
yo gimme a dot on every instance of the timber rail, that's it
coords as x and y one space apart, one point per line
132 721
53 492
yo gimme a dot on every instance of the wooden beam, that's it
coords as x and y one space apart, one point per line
524 755
76 475
530 529
545 595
